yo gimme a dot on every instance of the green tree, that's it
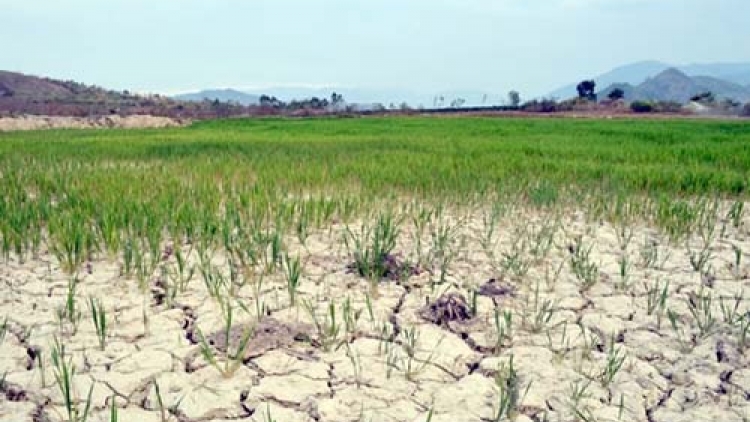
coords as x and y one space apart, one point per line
704 98
586 89
616 94
514 98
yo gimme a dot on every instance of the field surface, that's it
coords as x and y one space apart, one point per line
377 269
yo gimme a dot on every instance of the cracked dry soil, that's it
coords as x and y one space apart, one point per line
572 304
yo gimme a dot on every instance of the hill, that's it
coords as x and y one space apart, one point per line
633 74
27 87
22 94
638 72
223 95
674 85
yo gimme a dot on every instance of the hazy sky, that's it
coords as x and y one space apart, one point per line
423 45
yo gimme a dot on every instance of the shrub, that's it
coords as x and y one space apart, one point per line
642 106
746 110
540 106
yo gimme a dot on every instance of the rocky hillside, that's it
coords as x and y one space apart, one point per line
22 94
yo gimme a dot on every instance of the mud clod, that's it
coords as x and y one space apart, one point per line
268 335
448 308
495 288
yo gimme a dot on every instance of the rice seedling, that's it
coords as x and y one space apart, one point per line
144 266
542 240
551 277
68 315
215 282
579 391
488 239
356 361
99 318
128 257
371 247
737 264
71 241
293 271
743 340
409 364
420 219
41 365
510 396
543 194
676 217
113 414
233 360
272 250
165 412
443 248
429 415
583 268
368 306
615 359
656 301
562 347
3 330
183 271
653 255
503 328
730 312
327 327
624 264
685 341
736 213
700 306
350 316
699 259
385 336
705 224
516 262
391 360
176 276
260 306
65 372
268 417
108 225
625 234
590 342
537 313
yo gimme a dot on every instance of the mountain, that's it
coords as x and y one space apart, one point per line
722 88
742 78
674 85
669 85
632 74
223 95
638 72
738 73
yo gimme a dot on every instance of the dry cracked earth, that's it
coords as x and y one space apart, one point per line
550 316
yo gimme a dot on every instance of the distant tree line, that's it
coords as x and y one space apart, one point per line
335 102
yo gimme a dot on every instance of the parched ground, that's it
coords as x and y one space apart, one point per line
573 306
64 122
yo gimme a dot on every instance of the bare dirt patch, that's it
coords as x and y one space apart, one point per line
102 122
